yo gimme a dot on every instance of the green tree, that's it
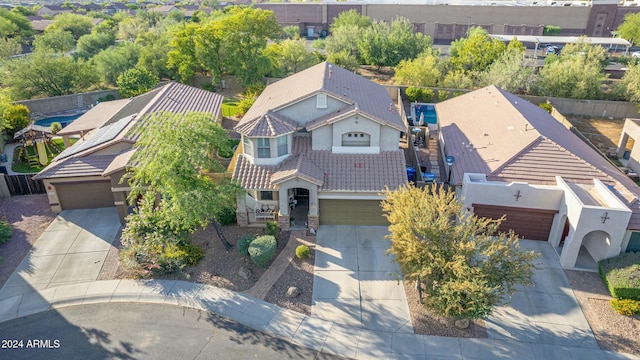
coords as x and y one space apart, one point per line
47 74
386 45
630 28
136 81
180 177
10 47
457 259
574 74
13 24
344 39
344 60
246 32
77 25
183 56
16 117
24 11
510 72
130 28
153 55
290 56
476 52
292 32
91 44
350 17
425 70
54 40
457 79
111 62
629 86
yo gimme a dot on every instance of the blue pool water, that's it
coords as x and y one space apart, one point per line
63 120
429 112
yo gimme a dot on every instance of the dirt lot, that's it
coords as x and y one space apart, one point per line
602 132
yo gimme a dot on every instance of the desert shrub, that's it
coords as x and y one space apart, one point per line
625 307
171 258
458 93
5 231
226 216
272 228
443 95
193 254
244 242
302 252
412 93
621 274
263 249
419 94
55 127
16 118
546 106
426 95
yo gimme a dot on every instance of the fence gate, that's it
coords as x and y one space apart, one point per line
24 185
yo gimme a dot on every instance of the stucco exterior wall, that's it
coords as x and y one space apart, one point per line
321 138
389 139
359 124
114 149
305 110
502 194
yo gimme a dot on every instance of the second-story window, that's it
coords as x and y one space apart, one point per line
283 148
248 146
264 149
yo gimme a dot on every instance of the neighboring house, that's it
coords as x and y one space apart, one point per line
163 9
319 147
630 157
513 158
52 10
88 174
113 8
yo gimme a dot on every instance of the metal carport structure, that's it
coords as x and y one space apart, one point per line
537 40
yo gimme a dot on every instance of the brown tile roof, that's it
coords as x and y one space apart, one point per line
298 166
120 162
98 116
92 165
268 125
515 140
175 97
341 172
372 99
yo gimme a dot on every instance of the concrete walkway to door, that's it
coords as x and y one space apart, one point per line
356 283
71 250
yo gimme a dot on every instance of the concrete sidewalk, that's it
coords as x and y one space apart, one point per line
309 331
71 250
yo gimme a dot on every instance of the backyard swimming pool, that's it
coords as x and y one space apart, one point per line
426 110
63 120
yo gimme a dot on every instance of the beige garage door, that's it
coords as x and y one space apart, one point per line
84 195
351 212
531 224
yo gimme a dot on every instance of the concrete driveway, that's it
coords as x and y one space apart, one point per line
355 282
71 250
547 314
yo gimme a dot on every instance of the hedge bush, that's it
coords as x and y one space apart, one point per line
193 254
272 228
263 249
5 231
302 252
626 307
244 242
621 274
226 216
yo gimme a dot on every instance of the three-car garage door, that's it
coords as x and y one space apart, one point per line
351 212
531 224
84 195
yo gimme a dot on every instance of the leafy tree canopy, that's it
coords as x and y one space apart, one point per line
136 81
475 52
93 43
350 17
455 257
630 28
111 62
289 57
629 86
510 72
77 25
425 70
13 24
55 40
44 74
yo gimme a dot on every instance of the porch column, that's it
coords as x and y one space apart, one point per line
242 218
571 249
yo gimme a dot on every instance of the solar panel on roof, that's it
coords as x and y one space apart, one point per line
101 136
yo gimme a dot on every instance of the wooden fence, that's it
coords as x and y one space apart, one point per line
24 185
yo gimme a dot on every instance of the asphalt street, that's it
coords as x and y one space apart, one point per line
139 331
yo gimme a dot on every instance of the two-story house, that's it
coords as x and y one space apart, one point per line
318 148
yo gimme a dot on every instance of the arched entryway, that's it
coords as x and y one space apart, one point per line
595 246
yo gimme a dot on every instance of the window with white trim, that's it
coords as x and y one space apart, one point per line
321 101
283 147
264 148
248 145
